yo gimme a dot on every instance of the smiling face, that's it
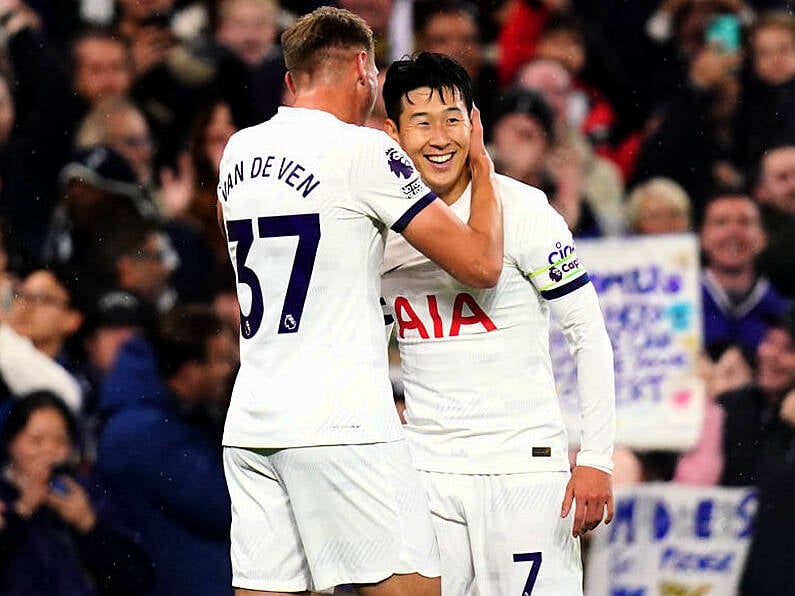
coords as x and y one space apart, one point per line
434 131
732 235
776 362
42 444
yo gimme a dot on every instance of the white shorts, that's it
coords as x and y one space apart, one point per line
502 534
310 518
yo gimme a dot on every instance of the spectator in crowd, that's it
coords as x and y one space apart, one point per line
767 117
46 312
101 67
675 35
602 184
775 193
118 123
378 15
694 143
658 206
142 262
563 39
190 192
35 120
173 392
169 80
449 27
57 536
738 304
114 318
24 369
523 142
99 190
759 449
521 28
248 28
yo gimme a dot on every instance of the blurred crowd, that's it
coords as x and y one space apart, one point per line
118 310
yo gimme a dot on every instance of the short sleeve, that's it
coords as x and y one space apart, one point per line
546 252
384 182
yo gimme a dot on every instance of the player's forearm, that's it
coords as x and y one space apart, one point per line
583 326
485 222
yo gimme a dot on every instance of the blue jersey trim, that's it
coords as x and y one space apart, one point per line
567 288
406 218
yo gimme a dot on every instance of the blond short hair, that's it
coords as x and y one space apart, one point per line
664 190
320 35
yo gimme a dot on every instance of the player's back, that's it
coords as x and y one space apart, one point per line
307 253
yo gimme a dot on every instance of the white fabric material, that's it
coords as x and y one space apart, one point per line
584 328
25 369
315 517
503 534
476 369
320 376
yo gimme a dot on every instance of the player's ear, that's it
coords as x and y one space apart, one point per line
288 80
390 128
361 66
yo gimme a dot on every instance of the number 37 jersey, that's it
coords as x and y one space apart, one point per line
307 201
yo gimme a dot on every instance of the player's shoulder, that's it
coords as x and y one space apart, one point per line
520 200
371 137
246 137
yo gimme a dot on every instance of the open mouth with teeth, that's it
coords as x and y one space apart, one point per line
440 159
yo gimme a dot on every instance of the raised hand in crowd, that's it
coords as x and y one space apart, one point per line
787 411
16 16
178 186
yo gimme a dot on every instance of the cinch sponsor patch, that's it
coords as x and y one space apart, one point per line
542 451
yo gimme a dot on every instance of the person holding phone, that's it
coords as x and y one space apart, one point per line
55 538
695 141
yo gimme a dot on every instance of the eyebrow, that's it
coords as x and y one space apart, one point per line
455 109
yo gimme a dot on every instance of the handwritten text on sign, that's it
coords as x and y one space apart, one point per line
672 540
649 293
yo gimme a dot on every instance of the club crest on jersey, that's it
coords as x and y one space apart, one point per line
399 164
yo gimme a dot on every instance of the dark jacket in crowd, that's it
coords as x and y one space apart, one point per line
45 555
165 465
759 450
38 146
739 321
777 262
767 119
685 146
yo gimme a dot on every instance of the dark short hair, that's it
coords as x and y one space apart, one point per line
312 39
519 100
23 408
427 10
181 337
424 69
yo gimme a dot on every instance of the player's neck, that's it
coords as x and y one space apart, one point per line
338 103
455 191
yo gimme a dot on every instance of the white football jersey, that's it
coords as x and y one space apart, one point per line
477 374
307 201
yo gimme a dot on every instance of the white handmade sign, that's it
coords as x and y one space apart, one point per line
649 291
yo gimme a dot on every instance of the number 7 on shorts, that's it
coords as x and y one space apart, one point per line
535 565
